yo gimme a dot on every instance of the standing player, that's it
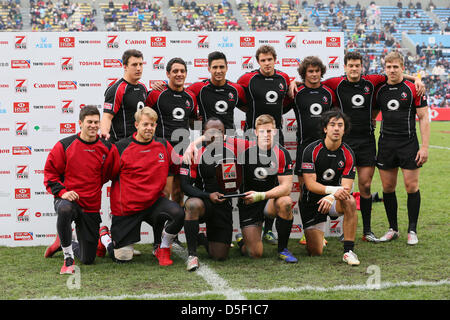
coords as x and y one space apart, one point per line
267 183
75 171
355 94
217 97
199 183
140 174
398 145
123 98
266 89
310 101
328 172
176 109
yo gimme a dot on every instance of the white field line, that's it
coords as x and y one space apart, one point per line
360 287
218 284
439 147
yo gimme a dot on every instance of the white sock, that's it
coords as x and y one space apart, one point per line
106 240
167 239
68 252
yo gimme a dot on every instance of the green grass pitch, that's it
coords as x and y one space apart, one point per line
418 272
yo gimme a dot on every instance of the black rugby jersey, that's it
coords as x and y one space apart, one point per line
261 168
123 99
398 104
308 105
356 100
218 102
329 166
174 110
265 95
199 179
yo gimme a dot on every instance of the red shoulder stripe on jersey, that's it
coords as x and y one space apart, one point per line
316 151
244 80
240 91
196 87
285 76
118 97
375 79
328 89
348 161
282 161
416 99
334 82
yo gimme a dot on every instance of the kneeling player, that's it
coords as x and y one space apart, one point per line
267 182
328 172
75 171
199 183
137 190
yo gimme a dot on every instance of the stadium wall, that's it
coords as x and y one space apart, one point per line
48 77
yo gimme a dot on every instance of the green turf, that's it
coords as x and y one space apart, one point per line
25 274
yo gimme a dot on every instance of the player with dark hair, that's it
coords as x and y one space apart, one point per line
75 171
218 97
310 101
398 145
355 95
200 183
328 173
266 89
176 109
123 98
267 183
140 174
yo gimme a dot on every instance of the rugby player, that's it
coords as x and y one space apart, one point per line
328 173
176 109
398 146
140 173
355 94
266 89
267 183
200 183
75 171
123 98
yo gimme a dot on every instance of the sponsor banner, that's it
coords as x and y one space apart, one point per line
50 77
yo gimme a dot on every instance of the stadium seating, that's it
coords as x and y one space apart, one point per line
134 16
369 28
192 16
274 17
82 18
443 14
10 17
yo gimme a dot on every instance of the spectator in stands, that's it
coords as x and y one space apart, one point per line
438 70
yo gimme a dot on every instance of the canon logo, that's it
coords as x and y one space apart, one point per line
312 41
135 41
44 85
